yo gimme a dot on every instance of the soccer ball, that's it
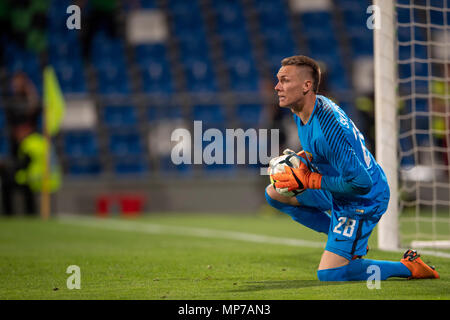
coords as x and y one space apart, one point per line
276 165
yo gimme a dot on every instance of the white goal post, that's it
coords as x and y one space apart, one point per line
412 121
386 117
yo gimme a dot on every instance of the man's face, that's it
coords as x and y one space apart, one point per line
290 86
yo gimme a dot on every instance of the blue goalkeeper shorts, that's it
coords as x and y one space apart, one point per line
350 226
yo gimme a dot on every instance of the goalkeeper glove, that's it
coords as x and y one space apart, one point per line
298 178
299 154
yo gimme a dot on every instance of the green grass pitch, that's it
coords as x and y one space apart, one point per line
184 256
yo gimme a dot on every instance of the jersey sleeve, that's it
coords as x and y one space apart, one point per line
334 146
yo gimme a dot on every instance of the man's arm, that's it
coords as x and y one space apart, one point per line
353 176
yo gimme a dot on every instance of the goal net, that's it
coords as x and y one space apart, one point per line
415 147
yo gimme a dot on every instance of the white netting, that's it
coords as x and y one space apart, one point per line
423 53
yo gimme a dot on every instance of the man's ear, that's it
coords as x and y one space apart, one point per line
307 86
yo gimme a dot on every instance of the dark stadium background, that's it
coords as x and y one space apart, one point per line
208 60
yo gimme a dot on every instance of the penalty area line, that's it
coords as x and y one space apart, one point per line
151 228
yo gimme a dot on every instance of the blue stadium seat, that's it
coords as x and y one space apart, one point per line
63 48
200 76
193 46
362 45
127 165
278 47
112 79
125 143
156 78
229 15
243 75
210 115
70 76
353 5
57 15
186 17
107 50
84 167
317 20
249 115
166 112
188 21
235 44
80 144
120 116
404 70
272 16
146 53
321 44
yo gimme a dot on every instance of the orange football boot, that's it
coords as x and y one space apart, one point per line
419 269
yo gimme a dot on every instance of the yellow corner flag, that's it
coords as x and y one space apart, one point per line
53 114
53 102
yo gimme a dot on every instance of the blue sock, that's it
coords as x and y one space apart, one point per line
357 270
309 217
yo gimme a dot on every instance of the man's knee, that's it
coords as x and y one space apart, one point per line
335 274
332 267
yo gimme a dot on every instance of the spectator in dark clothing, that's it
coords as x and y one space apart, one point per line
97 14
22 112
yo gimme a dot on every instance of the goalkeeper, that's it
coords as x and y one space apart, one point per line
342 178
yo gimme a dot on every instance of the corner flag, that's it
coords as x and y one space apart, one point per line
53 114
53 102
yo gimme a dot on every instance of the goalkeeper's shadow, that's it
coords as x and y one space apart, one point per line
287 284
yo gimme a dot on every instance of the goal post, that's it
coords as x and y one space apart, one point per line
386 117
412 121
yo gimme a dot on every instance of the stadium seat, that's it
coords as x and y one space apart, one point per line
63 49
112 79
229 15
278 47
235 44
146 53
81 150
156 78
167 112
84 167
80 144
210 115
70 76
120 116
127 165
243 75
125 144
200 76
193 46
249 115
272 16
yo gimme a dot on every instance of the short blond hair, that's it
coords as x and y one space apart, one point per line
302 61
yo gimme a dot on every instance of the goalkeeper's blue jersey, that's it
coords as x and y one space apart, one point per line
350 172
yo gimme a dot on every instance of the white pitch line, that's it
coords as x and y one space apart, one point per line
151 228
143 227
